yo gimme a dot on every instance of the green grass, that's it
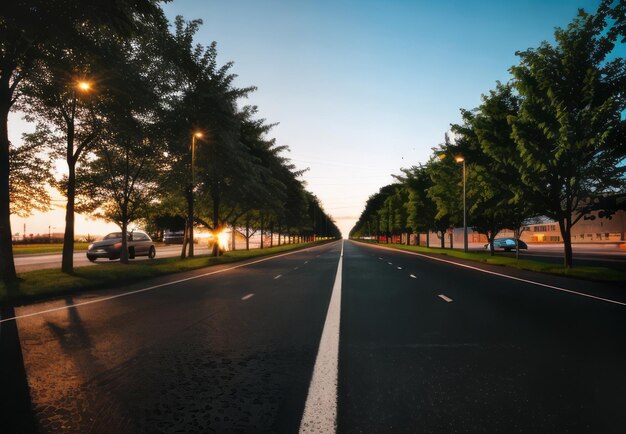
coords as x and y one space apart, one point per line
36 284
26 249
602 274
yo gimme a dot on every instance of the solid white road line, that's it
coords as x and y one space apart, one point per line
150 288
278 277
519 279
245 297
443 297
413 276
320 409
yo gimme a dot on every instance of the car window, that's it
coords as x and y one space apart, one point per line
113 236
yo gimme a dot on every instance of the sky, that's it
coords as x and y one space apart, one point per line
359 88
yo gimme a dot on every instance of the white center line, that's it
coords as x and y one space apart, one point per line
443 297
413 276
245 297
399 268
320 409
278 277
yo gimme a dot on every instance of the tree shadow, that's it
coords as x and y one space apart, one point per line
16 412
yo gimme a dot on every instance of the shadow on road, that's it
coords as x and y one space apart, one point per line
16 412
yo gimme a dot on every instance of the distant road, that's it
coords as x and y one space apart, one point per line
32 262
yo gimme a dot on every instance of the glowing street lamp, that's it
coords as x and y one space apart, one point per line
194 136
83 86
460 159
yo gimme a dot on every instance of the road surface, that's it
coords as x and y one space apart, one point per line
372 341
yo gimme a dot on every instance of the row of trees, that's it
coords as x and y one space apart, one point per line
550 143
120 94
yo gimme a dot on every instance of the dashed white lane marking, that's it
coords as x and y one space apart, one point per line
413 276
519 279
278 277
389 263
295 268
245 297
306 262
443 297
320 409
380 259
399 268
150 288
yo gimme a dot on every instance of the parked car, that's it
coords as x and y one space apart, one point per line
173 237
507 244
139 244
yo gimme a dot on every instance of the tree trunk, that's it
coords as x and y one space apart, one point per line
233 238
190 218
124 251
443 239
417 239
490 239
183 252
566 234
7 263
262 244
427 238
67 260
247 232
216 218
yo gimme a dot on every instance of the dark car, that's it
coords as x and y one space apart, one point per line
139 244
507 244
173 237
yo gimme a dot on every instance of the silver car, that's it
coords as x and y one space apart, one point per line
139 244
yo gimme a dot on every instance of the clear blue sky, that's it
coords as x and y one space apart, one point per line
362 88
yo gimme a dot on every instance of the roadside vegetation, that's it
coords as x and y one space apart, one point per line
602 274
28 249
549 143
152 130
34 284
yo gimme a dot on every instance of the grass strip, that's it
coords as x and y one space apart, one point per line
30 249
601 274
41 283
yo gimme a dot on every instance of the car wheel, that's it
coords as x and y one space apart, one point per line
151 252
91 258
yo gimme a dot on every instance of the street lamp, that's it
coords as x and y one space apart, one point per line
83 86
460 159
194 136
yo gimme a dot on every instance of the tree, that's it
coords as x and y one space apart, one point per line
569 130
29 31
29 177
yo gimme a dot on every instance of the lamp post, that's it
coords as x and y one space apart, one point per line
194 136
460 159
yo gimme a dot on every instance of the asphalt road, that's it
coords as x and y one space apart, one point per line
373 341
